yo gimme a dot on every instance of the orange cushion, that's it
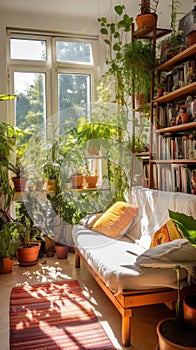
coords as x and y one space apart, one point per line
166 233
116 220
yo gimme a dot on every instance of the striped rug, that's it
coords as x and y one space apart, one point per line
54 316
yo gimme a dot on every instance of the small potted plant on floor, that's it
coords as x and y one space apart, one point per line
30 235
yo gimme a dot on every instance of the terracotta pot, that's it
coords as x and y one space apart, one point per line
61 251
19 183
50 253
189 306
146 20
170 325
28 255
191 37
6 265
77 181
91 181
139 100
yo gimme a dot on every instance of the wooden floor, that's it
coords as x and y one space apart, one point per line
144 319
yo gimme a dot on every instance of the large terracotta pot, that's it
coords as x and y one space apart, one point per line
146 20
28 256
169 325
189 306
6 265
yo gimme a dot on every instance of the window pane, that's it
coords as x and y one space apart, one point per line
73 91
73 52
31 102
28 49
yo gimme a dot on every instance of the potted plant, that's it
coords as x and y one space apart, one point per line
30 235
147 19
90 178
8 134
174 43
9 233
137 72
20 178
191 35
51 167
179 333
77 179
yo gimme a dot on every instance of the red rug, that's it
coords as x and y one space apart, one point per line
54 316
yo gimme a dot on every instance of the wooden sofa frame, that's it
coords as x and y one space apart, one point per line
127 300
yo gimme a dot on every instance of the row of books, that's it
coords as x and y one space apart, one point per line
173 178
179 76
175 147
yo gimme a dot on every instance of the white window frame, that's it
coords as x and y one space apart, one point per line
50 67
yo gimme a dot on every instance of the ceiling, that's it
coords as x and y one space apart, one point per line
87 8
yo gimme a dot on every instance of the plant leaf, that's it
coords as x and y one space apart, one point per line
186 225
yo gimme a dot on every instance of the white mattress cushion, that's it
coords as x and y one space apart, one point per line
115 262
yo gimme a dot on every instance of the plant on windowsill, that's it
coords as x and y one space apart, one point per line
20 178
90 177
51 167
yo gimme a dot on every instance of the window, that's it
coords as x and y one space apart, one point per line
49 75
73 52
22 49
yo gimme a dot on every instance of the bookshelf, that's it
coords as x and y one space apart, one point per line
173 143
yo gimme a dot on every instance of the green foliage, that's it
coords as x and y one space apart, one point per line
115 34
9 233
175 39
186 224
137 71
28 214
8 136
71 209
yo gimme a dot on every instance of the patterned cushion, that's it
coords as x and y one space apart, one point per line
166 233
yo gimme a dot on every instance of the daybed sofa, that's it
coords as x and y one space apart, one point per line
128 269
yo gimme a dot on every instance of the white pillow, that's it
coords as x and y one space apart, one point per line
180 251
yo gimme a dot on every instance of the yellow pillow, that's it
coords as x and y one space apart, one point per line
166 233
116 220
